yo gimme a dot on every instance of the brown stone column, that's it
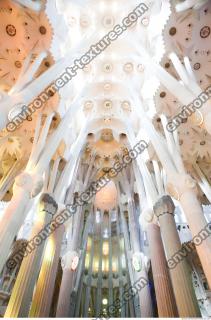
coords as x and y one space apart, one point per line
184 188
163 287
187 305
43 294
20 300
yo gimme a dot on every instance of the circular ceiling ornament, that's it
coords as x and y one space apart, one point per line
205 32
128 67
201 34
38 31
108 21
172 31
87 68
11 26
197 66
108 67
88 106
107 86
126 106
18 64
11 63
84 21
42 30
163 94
107 104
11 30
145 21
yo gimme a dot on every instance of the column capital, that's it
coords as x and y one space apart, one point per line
179 184
147 217
30 182
140 262
48 204
164 205
25 181
70 260
37 184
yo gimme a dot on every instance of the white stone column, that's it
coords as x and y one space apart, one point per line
66 284
141 271
36 6
72 246
14 214
141 268
188 4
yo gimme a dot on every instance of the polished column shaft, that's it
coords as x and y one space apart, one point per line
181 273
163 288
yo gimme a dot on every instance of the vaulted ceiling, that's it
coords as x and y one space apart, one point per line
109 91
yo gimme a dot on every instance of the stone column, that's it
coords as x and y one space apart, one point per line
163 288
43 294
139 265
31 5
187 305
144 293
66 284
183 188
68 273
21 297
14 215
